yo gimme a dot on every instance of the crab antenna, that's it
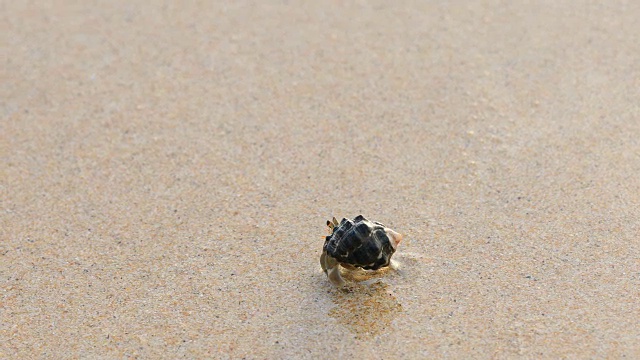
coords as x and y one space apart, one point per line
330 225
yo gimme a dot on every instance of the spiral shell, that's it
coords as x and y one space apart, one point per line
361 243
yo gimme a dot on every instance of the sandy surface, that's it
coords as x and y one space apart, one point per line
167 170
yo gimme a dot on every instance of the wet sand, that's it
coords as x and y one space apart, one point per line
167 171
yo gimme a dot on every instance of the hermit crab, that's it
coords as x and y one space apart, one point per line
357 243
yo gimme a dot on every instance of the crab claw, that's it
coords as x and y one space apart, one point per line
332 268
323 261
395 238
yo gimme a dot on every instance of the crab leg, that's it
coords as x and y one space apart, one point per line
395 265
335 277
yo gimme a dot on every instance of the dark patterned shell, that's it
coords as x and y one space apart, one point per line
361 243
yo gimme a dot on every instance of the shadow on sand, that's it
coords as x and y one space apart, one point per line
366 306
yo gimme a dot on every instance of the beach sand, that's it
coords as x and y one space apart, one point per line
168 169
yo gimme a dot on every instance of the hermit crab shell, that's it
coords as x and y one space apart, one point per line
362 243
